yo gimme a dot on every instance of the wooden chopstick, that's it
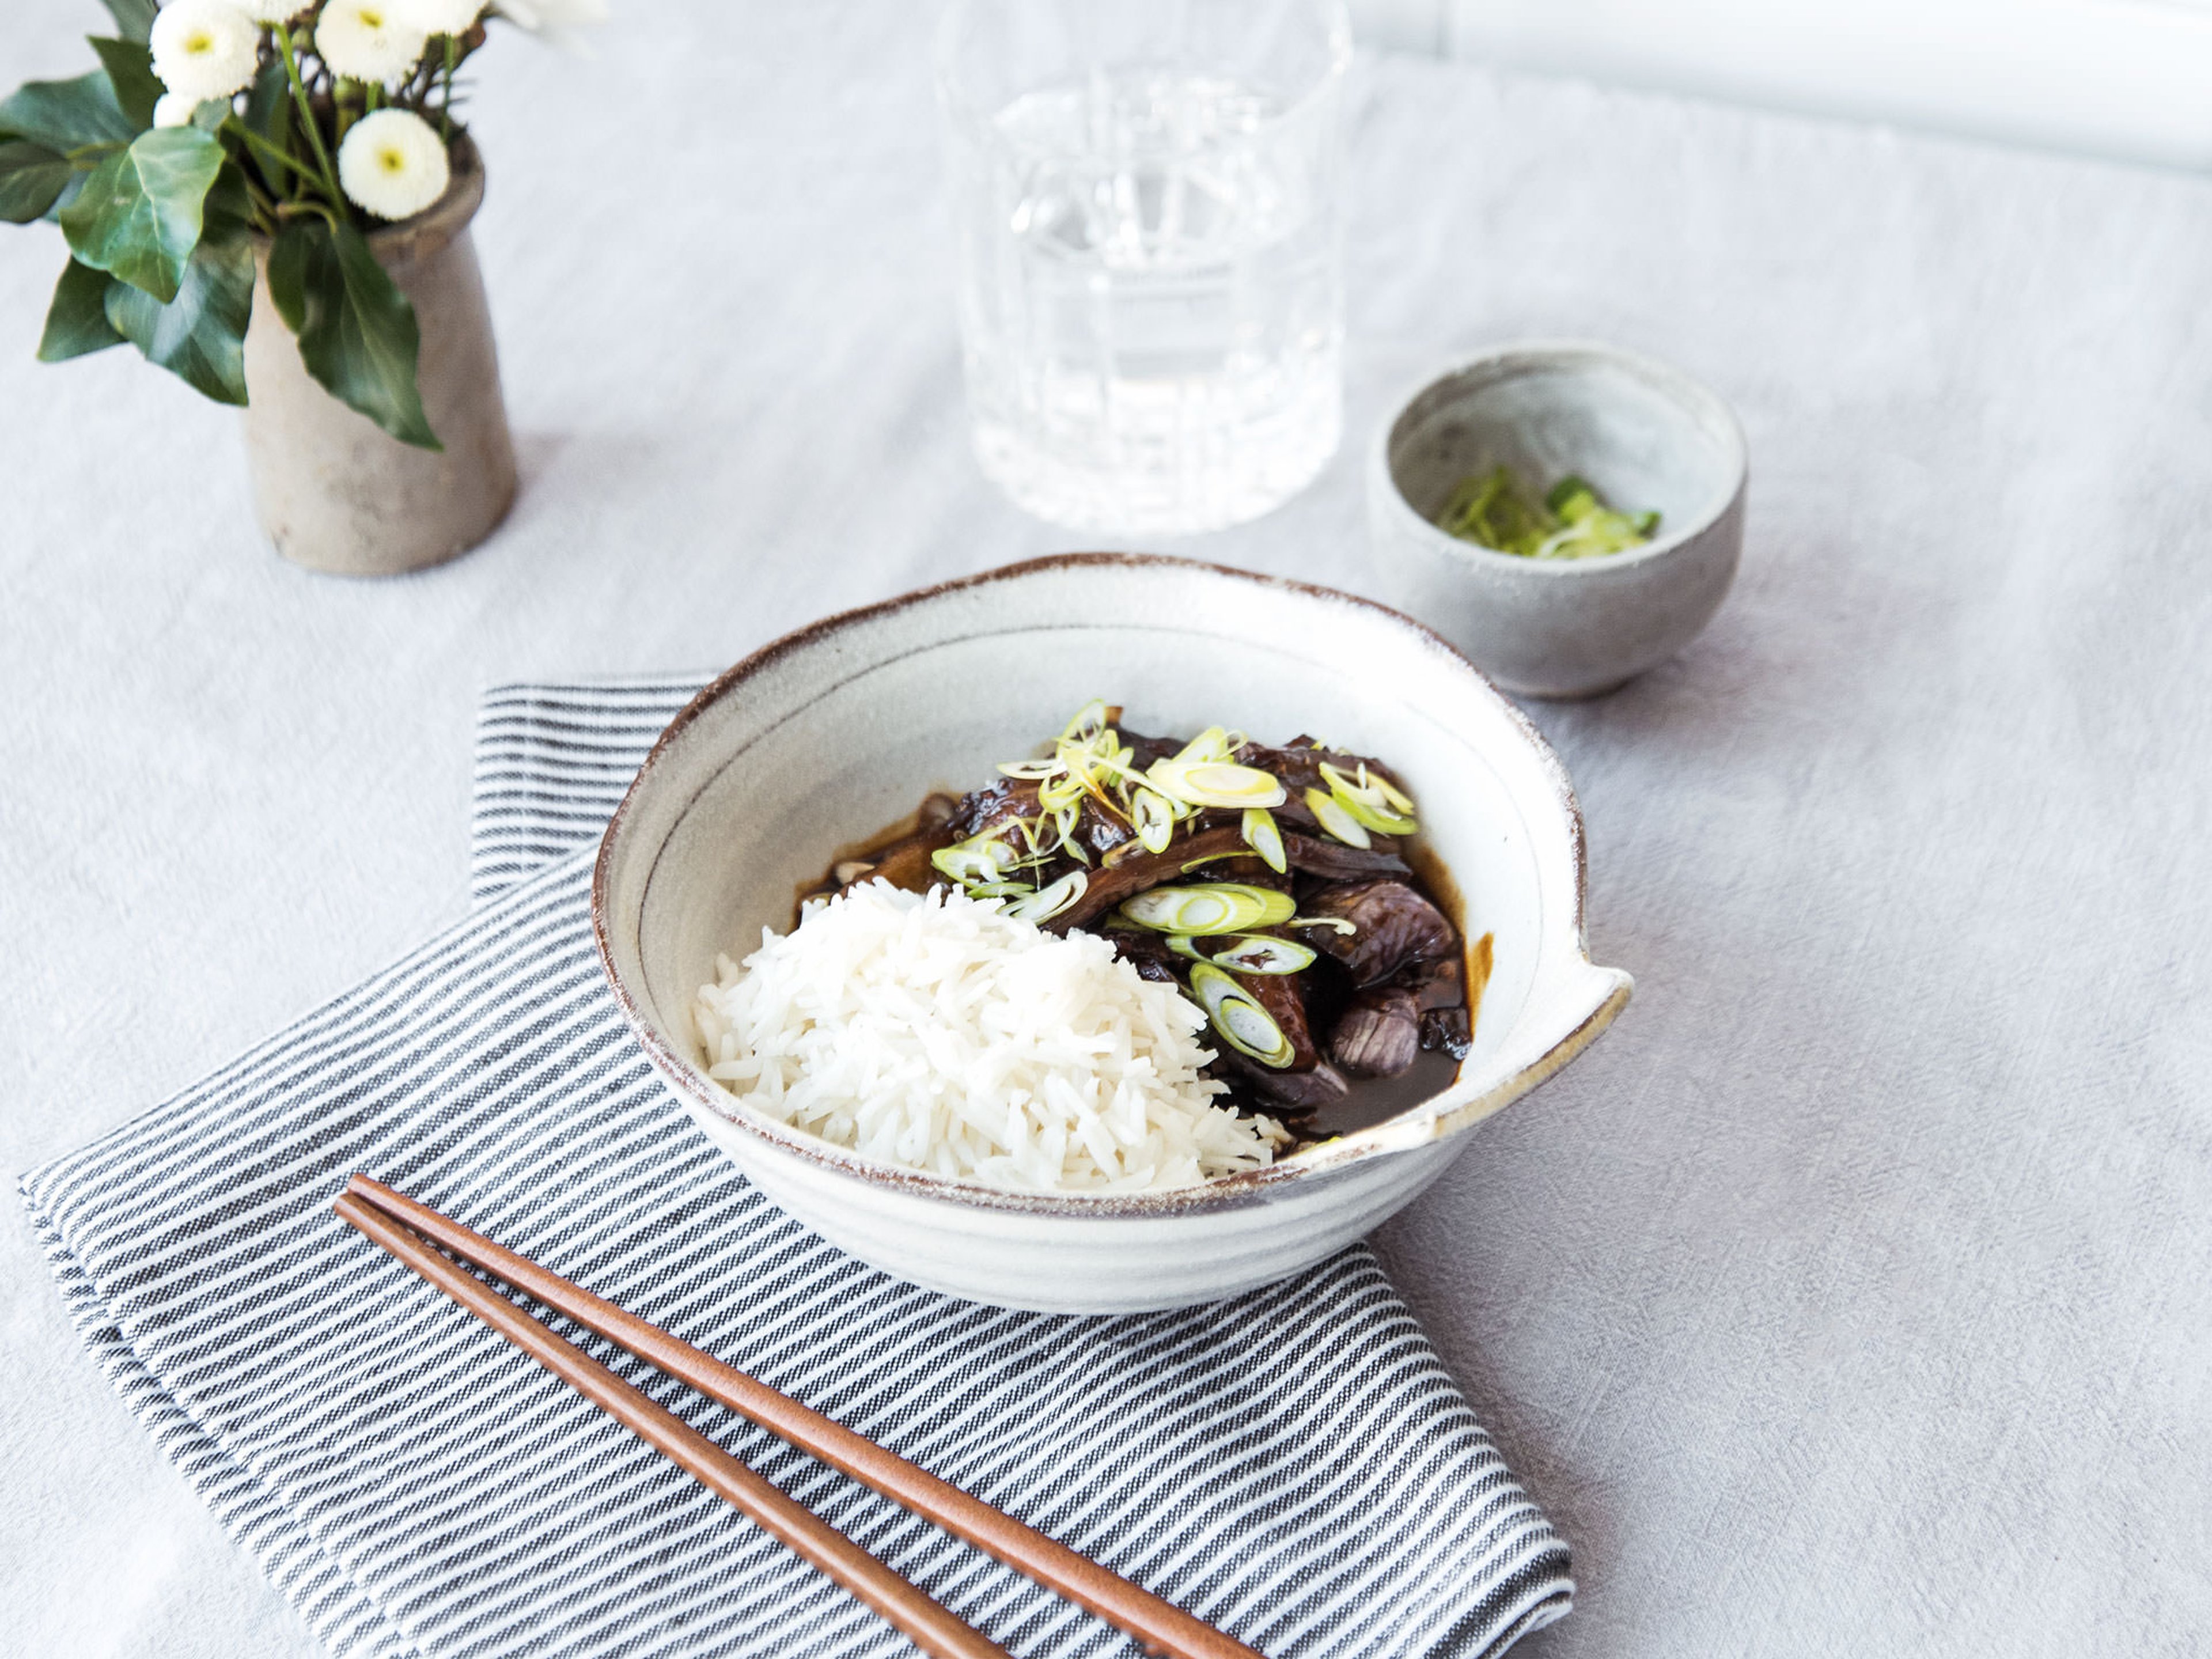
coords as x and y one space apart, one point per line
1158 1626
929 1626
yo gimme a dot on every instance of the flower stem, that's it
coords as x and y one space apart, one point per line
446 109
266 211
296 210
330 176
265 150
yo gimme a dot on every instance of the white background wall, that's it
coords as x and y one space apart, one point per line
2129 79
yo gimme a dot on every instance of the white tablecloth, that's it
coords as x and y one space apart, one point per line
1854 1296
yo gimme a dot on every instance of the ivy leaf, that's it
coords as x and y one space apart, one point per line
139 214
199 335
76 322
67 115
357 332
269 104
32 178
227 199
130 66
134 18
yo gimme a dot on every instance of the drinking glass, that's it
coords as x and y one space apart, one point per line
1145 197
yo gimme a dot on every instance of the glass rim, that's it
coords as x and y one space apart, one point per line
961 108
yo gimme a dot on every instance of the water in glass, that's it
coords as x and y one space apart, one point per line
1150 305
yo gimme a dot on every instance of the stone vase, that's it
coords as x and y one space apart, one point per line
334 491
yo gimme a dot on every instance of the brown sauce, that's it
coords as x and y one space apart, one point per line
868 850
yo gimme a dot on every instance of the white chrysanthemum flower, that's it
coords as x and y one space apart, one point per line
440 16
268 11
368 40
175 109
393 163
204 49
554 20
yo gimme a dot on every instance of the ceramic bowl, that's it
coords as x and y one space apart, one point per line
1647 435
836 730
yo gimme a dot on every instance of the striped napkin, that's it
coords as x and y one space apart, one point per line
1293 1465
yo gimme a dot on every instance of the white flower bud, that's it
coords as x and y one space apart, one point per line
204 49
393 163
439 16
175 109
366 40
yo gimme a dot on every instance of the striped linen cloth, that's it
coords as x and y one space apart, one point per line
1294 1465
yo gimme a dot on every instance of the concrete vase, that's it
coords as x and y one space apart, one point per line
333 490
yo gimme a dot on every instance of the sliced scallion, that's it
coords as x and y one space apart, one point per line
1249 953
1364 798
1216 858
1153 819
1211 744
1390 792
1226 907
1262 953
1089 720
1262 836
979 857
1216 783
1059 791
1242 1023
1048 902
1333 816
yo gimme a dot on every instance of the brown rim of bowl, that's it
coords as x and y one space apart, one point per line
1223 1192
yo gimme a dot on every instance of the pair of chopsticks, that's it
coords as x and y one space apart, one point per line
402 1225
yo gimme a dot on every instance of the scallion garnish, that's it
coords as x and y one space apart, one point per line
1572 522
1216 783
1047 902
1260 953
1333 816
1242 1023
1227 907
1153 819
1364 800
1263 837
1249 953
979 857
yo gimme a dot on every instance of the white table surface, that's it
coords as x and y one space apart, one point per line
1853 1297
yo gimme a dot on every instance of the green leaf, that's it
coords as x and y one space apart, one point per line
269 104
130 66
31 179
357 332
200 336
67 115
139 214
76 322
135 18
227 199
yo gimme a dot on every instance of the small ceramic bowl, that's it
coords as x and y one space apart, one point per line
1645 435
828 735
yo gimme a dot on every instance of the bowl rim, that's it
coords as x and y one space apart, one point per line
1238 1190
1680 385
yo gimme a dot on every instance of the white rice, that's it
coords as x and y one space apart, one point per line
933 1032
